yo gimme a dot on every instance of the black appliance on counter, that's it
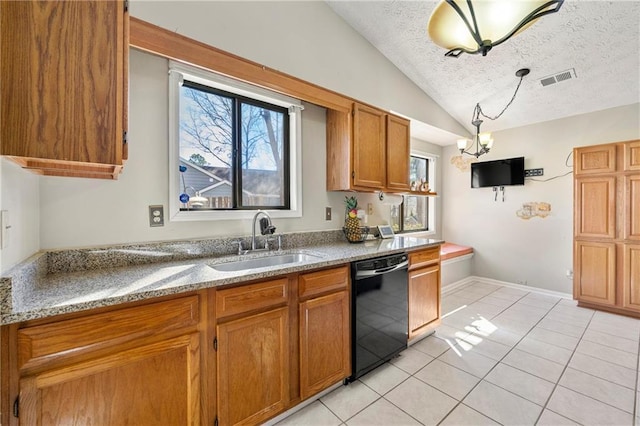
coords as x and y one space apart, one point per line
379 310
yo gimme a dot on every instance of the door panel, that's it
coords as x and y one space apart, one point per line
631 276
632 202
632 156
157 384
368 147
324 342
595 272
424 298
595 207
595 159
398 147
253 367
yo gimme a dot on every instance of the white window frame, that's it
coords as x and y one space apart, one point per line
433 186
179 72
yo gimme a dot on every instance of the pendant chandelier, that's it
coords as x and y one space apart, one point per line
475 27
484 141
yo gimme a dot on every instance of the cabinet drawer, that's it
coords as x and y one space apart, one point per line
251 297
41 343
424 257
323 281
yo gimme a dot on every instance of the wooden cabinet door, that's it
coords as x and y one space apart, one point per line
324 342
595 207
632 205
631 276
156 384
632 156
368 147
398 153
424 300
63 78
253 367
595 159
595 272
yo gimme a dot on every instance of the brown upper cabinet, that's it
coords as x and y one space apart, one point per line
367 150
64 86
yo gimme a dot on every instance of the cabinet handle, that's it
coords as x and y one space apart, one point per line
16 407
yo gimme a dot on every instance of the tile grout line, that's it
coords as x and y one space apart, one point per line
566 365
492 368
556 384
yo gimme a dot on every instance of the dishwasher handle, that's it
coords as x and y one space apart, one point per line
365 274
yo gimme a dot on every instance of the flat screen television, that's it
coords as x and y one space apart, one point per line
509 171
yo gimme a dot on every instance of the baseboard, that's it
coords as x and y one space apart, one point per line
470 279
455 285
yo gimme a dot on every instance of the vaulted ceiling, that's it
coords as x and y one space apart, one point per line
596 42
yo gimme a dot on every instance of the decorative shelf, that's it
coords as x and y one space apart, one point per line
422 193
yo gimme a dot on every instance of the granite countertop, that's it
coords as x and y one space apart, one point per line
53 283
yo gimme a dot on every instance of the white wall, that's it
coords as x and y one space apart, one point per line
537 251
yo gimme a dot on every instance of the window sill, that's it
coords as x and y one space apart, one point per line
209 215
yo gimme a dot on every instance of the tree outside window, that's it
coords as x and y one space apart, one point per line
234 149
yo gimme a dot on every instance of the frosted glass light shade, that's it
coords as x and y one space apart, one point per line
462 143
484 139
496 19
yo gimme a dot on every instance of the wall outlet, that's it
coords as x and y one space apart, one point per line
156 216
327 213
569 274
533 172
369 208
4 225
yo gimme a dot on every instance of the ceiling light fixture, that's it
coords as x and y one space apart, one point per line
484 141
477 27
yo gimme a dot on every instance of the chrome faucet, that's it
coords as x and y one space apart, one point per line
266 227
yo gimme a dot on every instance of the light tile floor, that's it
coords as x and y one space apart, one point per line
502 356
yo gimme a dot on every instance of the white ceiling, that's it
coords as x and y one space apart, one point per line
600 40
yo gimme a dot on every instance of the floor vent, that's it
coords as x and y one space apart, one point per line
558 77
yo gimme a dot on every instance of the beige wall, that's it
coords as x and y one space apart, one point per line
537 251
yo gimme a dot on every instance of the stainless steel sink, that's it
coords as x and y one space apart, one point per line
264 262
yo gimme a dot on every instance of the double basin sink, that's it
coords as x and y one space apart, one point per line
276 259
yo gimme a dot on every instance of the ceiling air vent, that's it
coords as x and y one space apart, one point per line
558 77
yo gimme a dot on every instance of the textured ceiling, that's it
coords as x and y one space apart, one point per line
600 40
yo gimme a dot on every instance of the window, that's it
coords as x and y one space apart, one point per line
234 148
415 213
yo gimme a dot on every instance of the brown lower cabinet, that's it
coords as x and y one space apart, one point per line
238 356
424 291
325 338
138 365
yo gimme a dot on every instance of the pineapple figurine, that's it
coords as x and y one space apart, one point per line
351 222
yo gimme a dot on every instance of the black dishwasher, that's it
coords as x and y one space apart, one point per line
379 311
